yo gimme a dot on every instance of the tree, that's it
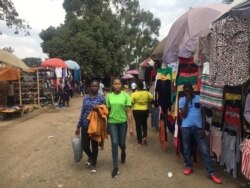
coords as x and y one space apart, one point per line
32 61
9 14
102 37
140 26
9 49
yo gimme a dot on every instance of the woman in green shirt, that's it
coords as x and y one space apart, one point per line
120 118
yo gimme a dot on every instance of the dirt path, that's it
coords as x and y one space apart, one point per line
37 153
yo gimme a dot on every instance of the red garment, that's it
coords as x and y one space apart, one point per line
162 135
186 60
152 75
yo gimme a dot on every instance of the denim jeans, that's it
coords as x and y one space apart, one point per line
117 132
201 143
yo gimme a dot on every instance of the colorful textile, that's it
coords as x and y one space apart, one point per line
245 167
211 96
182 80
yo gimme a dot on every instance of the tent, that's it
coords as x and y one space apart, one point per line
182 40
9 73
158 51
8 59
239 8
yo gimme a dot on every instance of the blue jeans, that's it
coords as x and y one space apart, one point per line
202 144
117 132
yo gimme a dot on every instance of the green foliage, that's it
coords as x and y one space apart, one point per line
9 14
9 49
32 61
103 36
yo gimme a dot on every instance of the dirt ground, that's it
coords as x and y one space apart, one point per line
36 152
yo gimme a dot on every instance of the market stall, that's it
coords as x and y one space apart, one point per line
8 74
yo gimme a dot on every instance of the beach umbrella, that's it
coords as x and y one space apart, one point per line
72 65
127 76
183 37
53 63
11 60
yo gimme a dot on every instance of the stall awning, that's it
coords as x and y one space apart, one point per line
9 73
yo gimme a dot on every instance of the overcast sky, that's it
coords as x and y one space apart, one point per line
41 14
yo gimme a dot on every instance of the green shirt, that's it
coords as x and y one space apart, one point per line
117 104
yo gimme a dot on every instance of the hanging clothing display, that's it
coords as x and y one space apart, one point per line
211 95
229 57
163 88
245 167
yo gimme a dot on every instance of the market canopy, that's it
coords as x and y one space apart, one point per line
238 8
9 73
11 60
134 72
127 76
72 65
53 63
159 49
183 37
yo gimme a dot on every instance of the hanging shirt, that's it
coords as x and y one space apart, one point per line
247 109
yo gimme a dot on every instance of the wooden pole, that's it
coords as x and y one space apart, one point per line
20 91
38 87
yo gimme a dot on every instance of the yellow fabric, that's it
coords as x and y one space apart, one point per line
231 96
174 74
140 100
163 77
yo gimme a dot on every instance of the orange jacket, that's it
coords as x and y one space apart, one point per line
97 129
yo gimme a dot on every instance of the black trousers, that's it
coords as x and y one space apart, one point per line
141 117
10 101
86 141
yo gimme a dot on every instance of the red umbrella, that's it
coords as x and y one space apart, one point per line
54 62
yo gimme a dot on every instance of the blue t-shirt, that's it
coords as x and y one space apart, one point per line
194 117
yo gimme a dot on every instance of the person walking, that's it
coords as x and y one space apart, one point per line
133 86
60 94
67 92
193 124
90 101
10 94
140 99
101 88
119 119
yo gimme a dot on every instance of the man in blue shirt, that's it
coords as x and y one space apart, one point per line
193 124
